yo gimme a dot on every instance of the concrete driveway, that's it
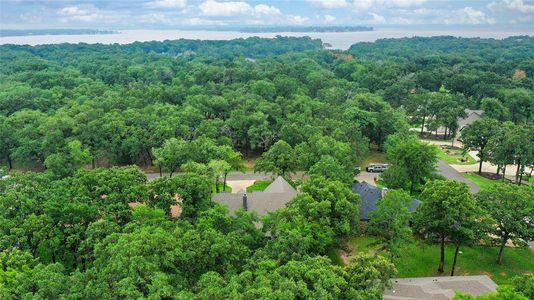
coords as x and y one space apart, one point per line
248 175
450 173
367 177
239 185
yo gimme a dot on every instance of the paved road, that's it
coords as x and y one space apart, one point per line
248 175
367 177
450 173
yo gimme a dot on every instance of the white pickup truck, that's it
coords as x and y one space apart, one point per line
378 168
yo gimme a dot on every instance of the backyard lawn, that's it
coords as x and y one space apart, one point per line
421 259
455 157
258 185
483 182
373 157
221 185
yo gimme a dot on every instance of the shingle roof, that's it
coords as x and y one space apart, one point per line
370 195
275 196
279 185
438 287
472 116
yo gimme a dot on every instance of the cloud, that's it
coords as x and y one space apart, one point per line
156 18
469 15
330 3
200 21
363 4
519 5
167 4
377 19
263 9
86 13
71 11
403 21
297 20
224 9
403 3
329 18
367 4
528 19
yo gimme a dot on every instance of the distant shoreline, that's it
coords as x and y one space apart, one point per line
306 29
34 32
337 40
259 29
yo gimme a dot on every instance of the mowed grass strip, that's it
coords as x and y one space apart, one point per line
221 186
455 157
421 260
258 185
483 182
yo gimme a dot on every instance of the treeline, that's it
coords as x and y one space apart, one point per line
80 238
476 68
193 108
117 103
120 106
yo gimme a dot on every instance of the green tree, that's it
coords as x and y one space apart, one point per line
329 168
413 159
280 160
519 103
233 158
67 162
502 293
390 222
509 206
477 136
446 204
333 205
493 108
369 276
525 285
218 169
171 155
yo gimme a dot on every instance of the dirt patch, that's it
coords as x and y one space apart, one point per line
491 176
345 257
519 74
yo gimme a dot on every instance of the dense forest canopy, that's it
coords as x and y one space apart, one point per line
92 116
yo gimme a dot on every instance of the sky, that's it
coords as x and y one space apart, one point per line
141 14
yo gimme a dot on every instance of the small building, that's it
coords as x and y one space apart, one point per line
471 116
370 195
275 196
438 287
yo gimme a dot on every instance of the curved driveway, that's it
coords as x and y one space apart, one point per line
450 173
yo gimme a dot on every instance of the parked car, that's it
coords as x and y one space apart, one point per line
376 168
357 170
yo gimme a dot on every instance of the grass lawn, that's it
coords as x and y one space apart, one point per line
483 182
334 256
421 259
259 185
221 185
373 157
380 184
249 163
454 157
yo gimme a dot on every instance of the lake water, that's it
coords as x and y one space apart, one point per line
338 40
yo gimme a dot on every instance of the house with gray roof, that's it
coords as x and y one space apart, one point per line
275 196
472 115
370 195
440 288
